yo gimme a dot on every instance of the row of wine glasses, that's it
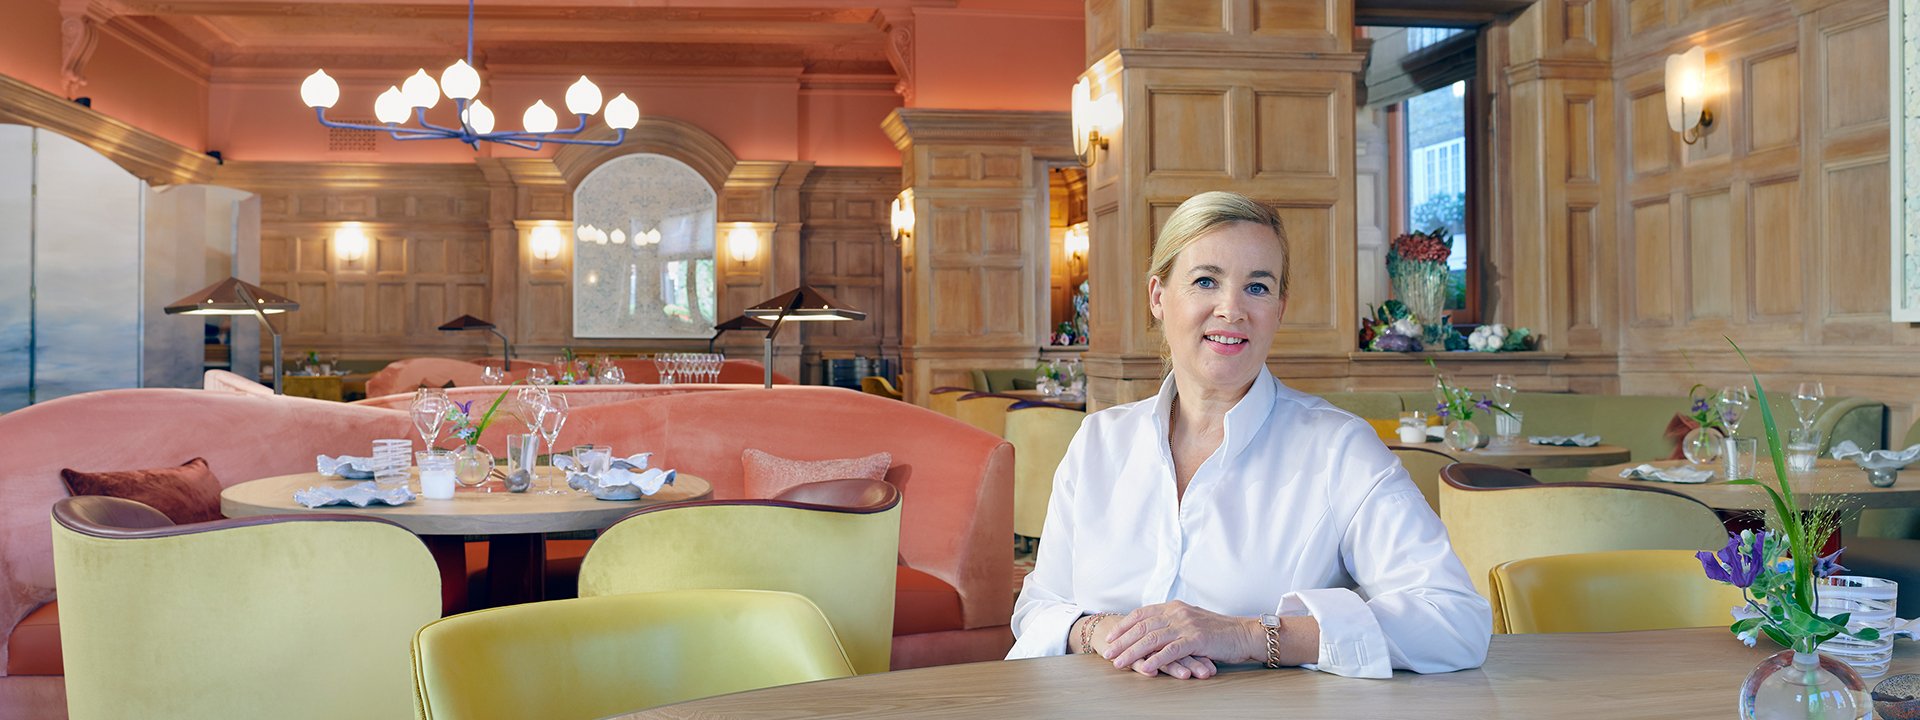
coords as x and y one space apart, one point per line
688 367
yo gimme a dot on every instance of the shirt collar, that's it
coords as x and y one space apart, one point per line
1244 420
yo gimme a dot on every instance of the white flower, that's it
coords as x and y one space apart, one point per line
1747 637
1406 326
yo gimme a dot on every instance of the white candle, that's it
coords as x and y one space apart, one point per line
437 483
1410 434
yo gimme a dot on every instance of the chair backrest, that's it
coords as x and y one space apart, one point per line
1611 591
1002 379
876 385
843 558
1422 465
985 411
1491 525
1913 436
1040 434
603 656
223 380
284 616
946 400
405 376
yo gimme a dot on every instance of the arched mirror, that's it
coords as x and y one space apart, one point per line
643 261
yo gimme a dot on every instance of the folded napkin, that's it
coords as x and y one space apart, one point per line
357 495
1680 474
622 484
345 466
1876 459
1581 440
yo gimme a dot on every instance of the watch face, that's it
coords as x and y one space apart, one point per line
1270 620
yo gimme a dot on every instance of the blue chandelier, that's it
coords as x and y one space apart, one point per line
461 84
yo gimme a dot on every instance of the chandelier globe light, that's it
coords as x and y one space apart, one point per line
411 100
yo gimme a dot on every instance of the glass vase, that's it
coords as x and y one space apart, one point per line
1463 435
1422 287
472 464
1702 445
1804 686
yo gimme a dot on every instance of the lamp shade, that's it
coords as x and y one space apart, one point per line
803 303
742 322
230 297
1686 88
466 322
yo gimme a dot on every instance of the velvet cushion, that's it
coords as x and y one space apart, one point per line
766 475
923 603
185 494
34 646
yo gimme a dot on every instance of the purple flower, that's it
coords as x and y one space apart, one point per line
1726 417
1829 565
1732 567
1699 405
466 408
1442 409
1484 404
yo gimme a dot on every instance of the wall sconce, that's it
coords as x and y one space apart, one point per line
1075 243
1687 94
903 216
350 243
1093 120
743 243
545 241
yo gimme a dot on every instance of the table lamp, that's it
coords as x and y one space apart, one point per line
799 304
739 322
469 322
233 296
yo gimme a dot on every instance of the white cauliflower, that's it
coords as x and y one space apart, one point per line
1488 338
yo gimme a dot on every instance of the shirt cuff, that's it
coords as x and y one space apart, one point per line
1045 632
1351 641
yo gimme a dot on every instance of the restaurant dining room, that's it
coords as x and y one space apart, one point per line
1291 358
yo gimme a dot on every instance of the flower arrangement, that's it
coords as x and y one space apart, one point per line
1702 409
1458 403
1433 246
1771 568
461 415
1391 328
1417 269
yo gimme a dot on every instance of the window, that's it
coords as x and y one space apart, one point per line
1418 38
1436 187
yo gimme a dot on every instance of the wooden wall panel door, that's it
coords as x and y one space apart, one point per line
848 252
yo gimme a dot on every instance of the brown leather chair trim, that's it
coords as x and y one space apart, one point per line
978 395
850 493
1444 475
1459 475
948 389
891 499
88 522
1028 404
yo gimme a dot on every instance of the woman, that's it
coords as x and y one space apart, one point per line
1231 518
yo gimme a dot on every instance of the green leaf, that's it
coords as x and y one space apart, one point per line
1867 634
1740 626
488 418
1774 634
1839 621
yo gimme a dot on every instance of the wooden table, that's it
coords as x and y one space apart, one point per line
1694 673
318 387
1036 396
1829 477
515 522
1527 456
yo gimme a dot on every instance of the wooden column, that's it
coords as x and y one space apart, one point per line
765 196
1252 96
974 274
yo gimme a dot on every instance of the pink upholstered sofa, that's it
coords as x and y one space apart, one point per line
956 481
578 396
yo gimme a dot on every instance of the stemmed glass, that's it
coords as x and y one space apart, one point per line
539 376
1732 404
493 376
430 413
714 361
1505 389
553 414
1807 400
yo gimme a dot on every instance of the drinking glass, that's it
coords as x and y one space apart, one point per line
429 410
1732 404
1741 456
436 474
595 460
539 376
612 374
493 376
391 458
1505 389
1803 449
659 369
1506 427
523 452
1413 427
553 415
1807 400
714 361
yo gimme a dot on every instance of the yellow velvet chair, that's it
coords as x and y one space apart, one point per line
1040 434
987 412
1494 515
1423 466
598 657
1611 591
843 557
278 616
944 400
876 385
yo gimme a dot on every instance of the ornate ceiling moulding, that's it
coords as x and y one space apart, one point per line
456 10
677 139
148 156
898 25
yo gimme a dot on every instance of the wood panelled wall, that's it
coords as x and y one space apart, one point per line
1772 230
447 240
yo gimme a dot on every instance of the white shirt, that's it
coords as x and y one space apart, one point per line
1300 511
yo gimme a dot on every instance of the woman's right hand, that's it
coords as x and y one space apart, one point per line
1189 667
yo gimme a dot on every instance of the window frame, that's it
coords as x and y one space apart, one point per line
1399 167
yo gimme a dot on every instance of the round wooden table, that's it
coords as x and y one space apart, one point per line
1829 477
516 524
1527 456
1653 674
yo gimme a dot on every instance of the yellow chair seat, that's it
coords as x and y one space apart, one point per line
1613 591
596 657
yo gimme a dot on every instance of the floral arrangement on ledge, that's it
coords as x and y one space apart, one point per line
1417 270
1771 568
1391 327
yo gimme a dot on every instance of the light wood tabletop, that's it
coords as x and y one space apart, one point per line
1663 674
1527 456
469 512
1828 478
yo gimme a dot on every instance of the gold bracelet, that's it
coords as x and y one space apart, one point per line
1086 633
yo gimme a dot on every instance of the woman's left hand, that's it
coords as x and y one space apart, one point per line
1153 636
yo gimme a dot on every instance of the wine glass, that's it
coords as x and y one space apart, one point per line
429 410
1732 404
1505 389
1807 400
714 361
539 376
553 414
492 375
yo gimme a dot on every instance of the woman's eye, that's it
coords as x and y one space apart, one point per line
1256 289
1204 282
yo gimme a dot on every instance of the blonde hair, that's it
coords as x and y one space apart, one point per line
1206 212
